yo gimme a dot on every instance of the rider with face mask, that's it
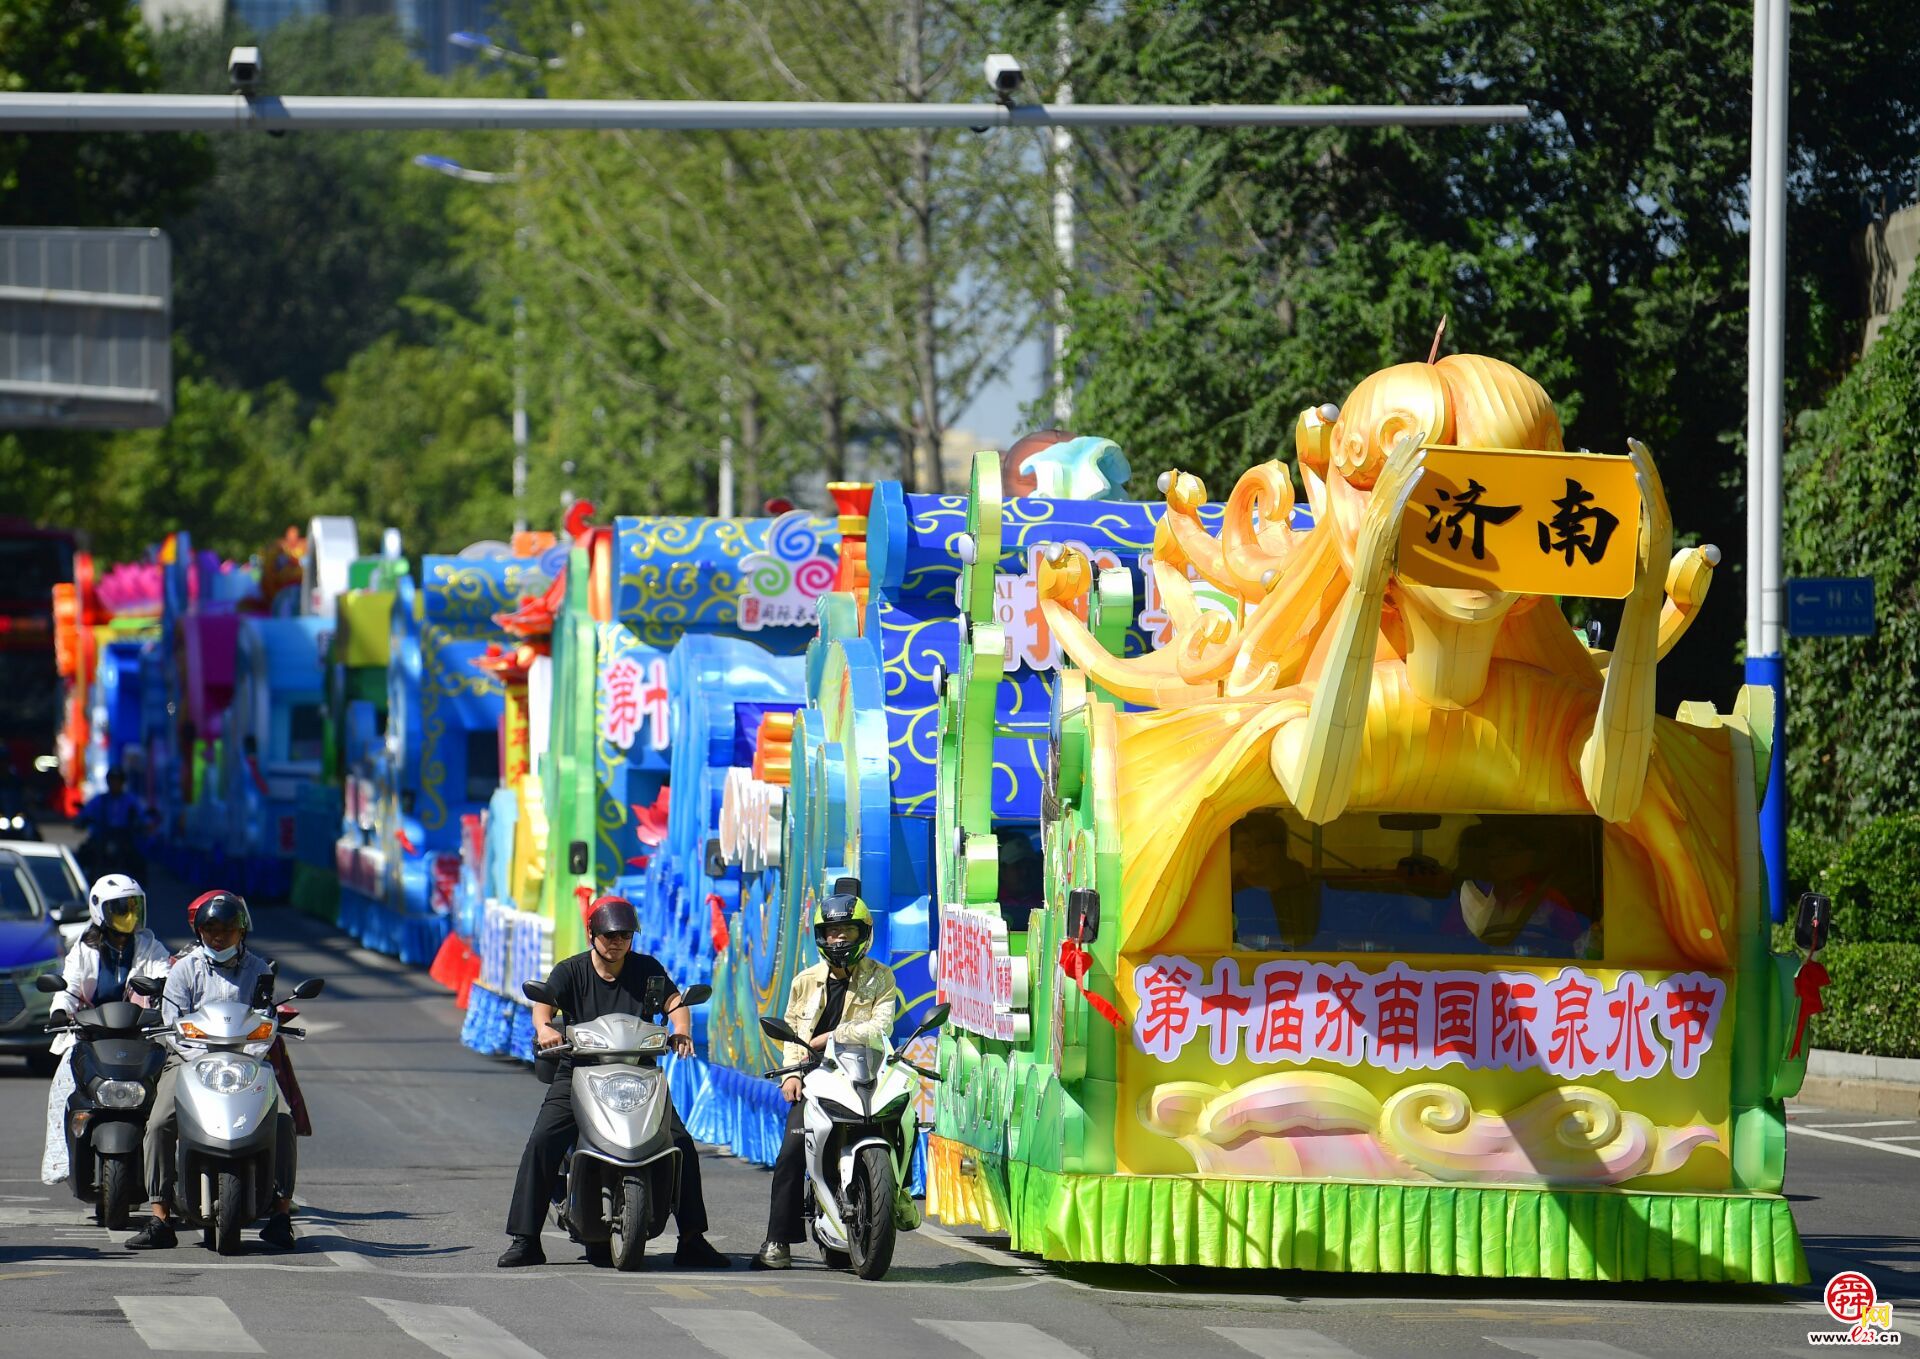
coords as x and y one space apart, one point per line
221 968
846 996
116 948
609 978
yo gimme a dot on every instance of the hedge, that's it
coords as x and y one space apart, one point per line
1875 883
1873 1002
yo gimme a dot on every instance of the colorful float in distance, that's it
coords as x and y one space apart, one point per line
1387 929
101 624
848 787
649 638
440 755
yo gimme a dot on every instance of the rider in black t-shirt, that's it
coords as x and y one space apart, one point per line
609 978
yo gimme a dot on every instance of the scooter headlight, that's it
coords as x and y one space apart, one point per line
227 1075
622 1092
118 1094
586 1040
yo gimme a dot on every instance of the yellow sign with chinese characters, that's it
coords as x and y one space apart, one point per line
1523 522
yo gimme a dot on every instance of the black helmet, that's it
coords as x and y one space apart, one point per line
220 908
840 909
612 915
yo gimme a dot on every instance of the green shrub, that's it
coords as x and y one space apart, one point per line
1809 855
1873 1002
1875 883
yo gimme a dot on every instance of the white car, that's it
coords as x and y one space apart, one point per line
62 885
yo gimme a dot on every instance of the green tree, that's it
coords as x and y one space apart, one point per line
417 437
86 179
300 251
1229 280
1853 509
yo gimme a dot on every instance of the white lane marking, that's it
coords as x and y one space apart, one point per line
204 1325
1560 1347
1877 1123
1277 1343
456 1332
1880 1145
736 1334
1002 1339
993 1257
1915 1138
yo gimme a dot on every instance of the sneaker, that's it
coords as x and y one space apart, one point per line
278 1232
525 1250
696 1252
774 1255
158 1234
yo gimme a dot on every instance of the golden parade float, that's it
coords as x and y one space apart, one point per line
1388 927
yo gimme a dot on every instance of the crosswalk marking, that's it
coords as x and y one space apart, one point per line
1876 1123
1881 1144
456 1332
1560 1347
1279 1343
1003 1339
1913 1138
736 1334
204 1325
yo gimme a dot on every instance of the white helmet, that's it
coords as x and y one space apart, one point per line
118 903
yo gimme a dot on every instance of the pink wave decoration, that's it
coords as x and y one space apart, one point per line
131 590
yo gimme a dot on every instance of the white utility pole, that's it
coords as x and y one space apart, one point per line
1063 241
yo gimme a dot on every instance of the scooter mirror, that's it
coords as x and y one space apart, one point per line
147 986
48 984
536 992
695 995
1810 929
778 1030
932 1020
309 988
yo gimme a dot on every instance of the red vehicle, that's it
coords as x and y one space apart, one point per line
32 561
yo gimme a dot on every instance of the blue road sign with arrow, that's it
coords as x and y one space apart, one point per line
1821 606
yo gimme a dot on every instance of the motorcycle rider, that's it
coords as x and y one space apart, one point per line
115 811
609 978
846 996
221 968
116 948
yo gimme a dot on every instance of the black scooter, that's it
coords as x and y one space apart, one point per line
115 1069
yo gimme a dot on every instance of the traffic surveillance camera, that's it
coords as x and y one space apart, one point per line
1004 76
244 68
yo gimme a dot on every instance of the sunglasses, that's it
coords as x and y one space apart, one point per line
624 936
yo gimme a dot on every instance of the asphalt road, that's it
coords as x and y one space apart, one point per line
404 1191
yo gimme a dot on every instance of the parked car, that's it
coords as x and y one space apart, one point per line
29 946
63 887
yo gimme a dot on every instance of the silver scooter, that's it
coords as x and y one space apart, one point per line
227 1110
621 1181
861 1129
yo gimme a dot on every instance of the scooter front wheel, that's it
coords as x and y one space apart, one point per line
870 1230
116 1191
630 1230
232 1213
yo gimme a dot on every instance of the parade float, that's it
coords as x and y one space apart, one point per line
1386 926
660 629
101 622
440 754
847 787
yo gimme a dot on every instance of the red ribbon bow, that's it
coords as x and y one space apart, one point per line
1806 985
1076 962
721 935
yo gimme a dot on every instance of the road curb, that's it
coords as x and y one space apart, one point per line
1850 1095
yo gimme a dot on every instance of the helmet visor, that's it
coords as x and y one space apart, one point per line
126 915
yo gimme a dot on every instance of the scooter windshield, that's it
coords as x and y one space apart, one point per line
859 1065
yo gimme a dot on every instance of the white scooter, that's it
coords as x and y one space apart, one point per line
621 1181
228 1107
861 1128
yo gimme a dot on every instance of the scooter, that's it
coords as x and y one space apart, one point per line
621 1181
228 1108
115 1068
861 1129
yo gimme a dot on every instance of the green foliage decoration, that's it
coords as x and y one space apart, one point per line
1875 883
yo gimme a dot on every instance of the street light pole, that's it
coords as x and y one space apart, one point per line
1766 414
1063 228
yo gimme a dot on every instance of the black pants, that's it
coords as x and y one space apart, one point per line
789 1182
553 1132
